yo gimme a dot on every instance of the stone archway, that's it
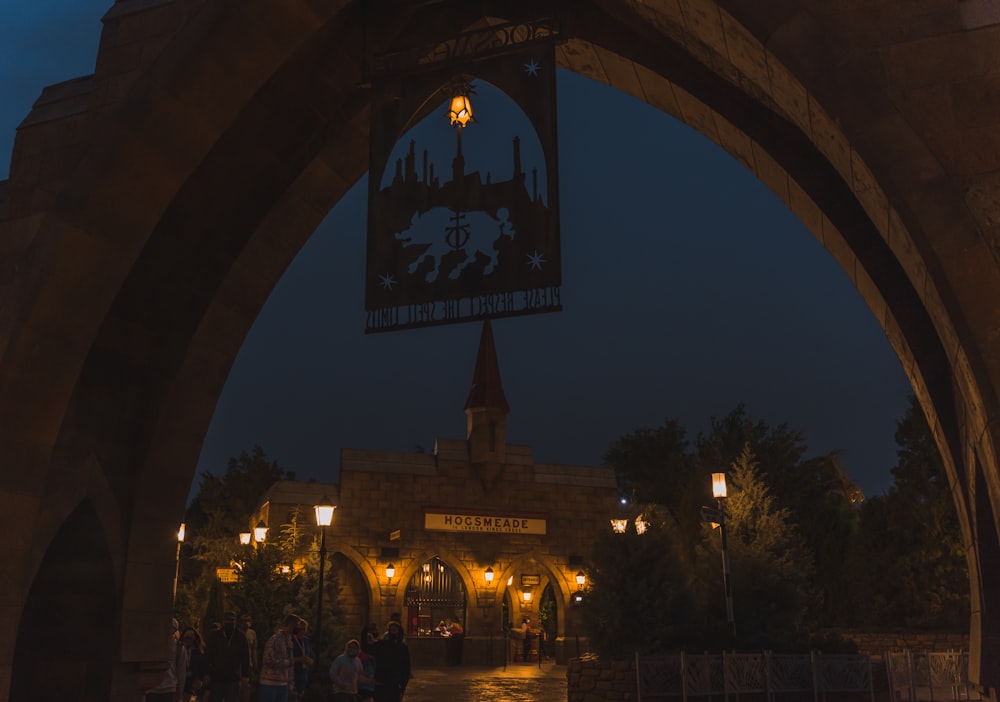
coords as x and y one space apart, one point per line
354 601
72 595
152 207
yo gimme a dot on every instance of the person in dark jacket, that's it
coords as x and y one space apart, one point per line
197 670
392 664
227 658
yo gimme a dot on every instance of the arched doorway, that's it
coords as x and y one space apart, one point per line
68 637
352 605
434 595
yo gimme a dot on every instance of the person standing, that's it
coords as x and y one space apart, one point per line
303 656
195 680
369 635
526 642
392 664
345 673
456 641
366 682
227 658
171 687
277 663
246 626
396 618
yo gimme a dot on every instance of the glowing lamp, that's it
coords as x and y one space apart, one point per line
581 578
527 596
390 571
324 512
460 108
180 533
260 532
641 525
618 525
489 576
718 485
245 537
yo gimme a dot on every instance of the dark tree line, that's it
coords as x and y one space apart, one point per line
808 555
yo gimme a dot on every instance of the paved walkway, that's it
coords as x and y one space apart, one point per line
519 683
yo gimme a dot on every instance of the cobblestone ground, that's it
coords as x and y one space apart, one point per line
519 683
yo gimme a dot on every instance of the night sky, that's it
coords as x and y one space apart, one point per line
688 287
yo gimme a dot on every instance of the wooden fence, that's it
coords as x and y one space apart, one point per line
911 676
925 676
771 675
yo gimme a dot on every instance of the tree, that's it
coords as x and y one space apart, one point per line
223 503
654 465
772 569
784 510
334 634
654 591
816 493
267 587
914 536
215 517
275 578
640 594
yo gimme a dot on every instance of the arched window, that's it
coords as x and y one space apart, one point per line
434 593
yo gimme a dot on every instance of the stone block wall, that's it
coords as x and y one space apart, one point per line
592 680
381 502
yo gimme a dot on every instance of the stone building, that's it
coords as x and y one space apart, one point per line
476 532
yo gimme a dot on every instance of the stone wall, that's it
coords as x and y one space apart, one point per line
592 680
383 499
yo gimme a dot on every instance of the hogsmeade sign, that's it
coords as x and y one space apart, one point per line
463 206
483 522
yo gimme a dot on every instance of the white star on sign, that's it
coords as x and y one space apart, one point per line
387 281
532 68
536 260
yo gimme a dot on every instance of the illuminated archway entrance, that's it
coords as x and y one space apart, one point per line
435 596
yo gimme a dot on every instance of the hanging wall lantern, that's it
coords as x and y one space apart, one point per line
460 107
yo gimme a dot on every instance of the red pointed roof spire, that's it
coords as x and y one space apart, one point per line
487 390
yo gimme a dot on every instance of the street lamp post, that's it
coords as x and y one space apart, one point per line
719 492
177 562
324 516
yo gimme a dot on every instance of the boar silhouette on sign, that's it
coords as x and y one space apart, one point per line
441 230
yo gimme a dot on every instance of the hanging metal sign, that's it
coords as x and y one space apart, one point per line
464 226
